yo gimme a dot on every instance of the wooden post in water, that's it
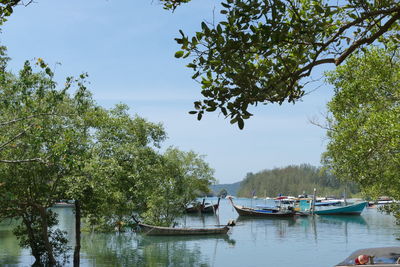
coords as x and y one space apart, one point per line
313 201
77 250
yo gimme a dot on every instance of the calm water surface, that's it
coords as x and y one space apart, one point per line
302 242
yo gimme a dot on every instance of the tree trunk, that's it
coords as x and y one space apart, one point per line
45 235
31 239
77 233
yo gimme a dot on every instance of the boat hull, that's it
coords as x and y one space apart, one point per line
203 208
194 209
210 209
382 257
243 211
169 231
355 209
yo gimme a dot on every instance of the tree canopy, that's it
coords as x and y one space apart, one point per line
41 139
293 180
7 8
364 122
261 50
57 143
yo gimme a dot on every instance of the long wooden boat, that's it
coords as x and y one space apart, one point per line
211 208
193 208
203 207
382 257
170 231
267 213
354 209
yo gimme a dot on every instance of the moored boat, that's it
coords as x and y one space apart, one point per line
267 213
383 200
354 209
172 231
202 207
210 208
63 204
328 203
194 207
383 257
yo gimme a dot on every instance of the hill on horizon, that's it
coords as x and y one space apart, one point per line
232 189
294 180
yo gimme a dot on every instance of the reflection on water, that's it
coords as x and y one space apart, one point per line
9 249
340 219
259 224
129 249
168 239
313 241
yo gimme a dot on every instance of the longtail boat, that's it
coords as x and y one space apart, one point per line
203 207
267 213
354 209
210 208
171 231
382 257
193 208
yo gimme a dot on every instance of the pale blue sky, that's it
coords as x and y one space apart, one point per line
127 48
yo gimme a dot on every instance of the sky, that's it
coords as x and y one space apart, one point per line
127 48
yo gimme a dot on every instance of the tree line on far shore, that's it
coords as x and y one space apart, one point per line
294 180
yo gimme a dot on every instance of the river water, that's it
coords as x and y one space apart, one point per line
302 242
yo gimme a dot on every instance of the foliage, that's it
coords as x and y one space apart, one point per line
124 173
39 128
293 180
394 209
261 51
173 4
123 168
185 176
7 8
363 126
58 238
54 146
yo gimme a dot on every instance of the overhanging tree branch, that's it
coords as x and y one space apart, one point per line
261 51
23 160
26 118
3 146
368 40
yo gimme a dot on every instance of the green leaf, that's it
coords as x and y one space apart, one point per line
319 8
179 54
223 110
225 5
204 26
240 123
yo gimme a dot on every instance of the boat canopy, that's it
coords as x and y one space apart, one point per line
384 255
